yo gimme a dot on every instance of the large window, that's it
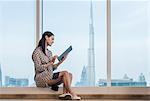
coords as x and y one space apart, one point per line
130 45
69 21
17 41
72 22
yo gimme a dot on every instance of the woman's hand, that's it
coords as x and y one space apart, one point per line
64 58
54 58
57 64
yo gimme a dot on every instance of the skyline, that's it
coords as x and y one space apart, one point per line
69 21
103 82
82 82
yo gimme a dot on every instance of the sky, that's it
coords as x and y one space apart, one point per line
69 21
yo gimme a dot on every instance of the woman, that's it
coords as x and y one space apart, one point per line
44 67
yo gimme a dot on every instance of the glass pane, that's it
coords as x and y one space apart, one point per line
17 32
70 22
130 43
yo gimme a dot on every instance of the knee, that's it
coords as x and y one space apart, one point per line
65 73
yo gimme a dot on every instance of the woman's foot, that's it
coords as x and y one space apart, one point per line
65 96
75 97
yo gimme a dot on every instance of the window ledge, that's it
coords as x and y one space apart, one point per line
140 93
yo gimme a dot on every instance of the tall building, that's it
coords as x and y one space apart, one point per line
126 81
91 54
16 82
83 80
0 76
141 78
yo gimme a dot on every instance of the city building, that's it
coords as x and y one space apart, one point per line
16 82
126 81
88 73
83 80
91 54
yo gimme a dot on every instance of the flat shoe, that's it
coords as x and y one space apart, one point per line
63 95
66 96
76 98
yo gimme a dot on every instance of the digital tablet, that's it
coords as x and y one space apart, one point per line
64 53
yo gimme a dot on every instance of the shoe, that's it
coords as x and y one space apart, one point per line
63 95
76 98
66 96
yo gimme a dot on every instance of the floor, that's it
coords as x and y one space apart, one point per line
63 100
87 93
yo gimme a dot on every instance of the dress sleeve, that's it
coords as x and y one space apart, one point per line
50 55
37 62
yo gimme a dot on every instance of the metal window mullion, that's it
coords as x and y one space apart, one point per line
108 43
37 32
42 16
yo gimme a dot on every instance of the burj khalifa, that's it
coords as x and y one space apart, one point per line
91 54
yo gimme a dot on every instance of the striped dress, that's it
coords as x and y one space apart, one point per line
42 73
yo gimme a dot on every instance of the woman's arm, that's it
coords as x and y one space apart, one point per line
60 62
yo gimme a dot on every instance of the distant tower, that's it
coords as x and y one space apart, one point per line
0 76
141 78
125 76
84 77
83 80
91 54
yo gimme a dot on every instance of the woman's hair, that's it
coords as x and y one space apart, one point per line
42 41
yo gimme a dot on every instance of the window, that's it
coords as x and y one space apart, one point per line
130 45
69 21
17 39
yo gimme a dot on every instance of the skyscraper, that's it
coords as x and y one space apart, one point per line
141 78
0 76
83 80
91 54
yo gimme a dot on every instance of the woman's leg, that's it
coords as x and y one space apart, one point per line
67 82
61 74
64 88
54 81
70 76
67 79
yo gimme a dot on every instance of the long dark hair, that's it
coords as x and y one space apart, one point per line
42 40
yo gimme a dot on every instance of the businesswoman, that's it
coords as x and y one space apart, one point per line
44 67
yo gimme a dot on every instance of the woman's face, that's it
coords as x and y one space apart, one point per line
49 40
